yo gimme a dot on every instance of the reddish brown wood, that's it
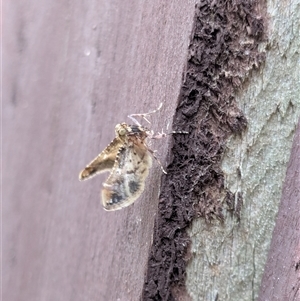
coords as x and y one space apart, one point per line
281 280
72 70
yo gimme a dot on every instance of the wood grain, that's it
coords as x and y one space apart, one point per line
71 72
281 280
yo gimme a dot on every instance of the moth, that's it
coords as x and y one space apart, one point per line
128 159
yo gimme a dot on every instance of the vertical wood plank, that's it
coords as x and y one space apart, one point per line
282 271
72 70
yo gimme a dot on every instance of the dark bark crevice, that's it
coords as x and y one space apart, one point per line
222 52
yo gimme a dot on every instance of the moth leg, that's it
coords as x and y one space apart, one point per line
143 115
161 134
154 156
158 135
134 120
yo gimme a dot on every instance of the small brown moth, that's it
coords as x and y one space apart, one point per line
128 158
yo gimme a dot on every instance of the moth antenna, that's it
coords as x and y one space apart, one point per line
143 115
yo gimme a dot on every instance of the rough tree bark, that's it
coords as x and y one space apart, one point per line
71 71
232 257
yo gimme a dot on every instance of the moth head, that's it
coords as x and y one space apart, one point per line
121 129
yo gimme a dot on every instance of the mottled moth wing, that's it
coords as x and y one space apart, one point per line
103 162
127 178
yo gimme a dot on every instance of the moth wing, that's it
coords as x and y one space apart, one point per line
126 181
103 162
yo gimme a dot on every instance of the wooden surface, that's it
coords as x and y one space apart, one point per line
71 72
281 280
232 257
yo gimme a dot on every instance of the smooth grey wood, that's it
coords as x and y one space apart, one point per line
71 71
